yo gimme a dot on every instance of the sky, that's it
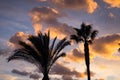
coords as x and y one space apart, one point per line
19 18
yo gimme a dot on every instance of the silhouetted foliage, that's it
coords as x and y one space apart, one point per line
85 34
119 48
40 52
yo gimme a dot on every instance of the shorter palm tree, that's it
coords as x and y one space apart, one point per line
40 52
86 35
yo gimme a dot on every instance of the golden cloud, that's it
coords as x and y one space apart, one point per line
106 46
113 3
92 6
61 31
14 40
89 5
46 18
18 36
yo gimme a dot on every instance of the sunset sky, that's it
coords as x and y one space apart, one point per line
19 18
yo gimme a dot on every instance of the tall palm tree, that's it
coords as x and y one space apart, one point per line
87 35
40 53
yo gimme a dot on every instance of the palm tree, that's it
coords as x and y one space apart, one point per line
40 52
86 35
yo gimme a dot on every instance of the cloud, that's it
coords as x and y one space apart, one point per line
61 31
7 77
59 69
106 46
89 5
67 78
18 36
34 76
46 18
22 73
75 55
4 48
14 40
62 70
113 3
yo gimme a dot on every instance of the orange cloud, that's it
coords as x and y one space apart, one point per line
46 18
92 6
106 46
61 31
18 36
113 3
14 40
89 5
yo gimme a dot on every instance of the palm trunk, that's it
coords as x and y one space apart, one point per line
87 59
45 75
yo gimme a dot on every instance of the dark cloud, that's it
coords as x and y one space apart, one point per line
62 70
34 76
67 78
76 55
22 73
59 69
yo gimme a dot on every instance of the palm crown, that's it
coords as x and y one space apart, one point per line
40 53
85 33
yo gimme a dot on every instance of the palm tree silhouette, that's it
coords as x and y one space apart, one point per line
40 53
86 35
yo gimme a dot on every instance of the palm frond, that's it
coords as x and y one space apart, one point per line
78 31
88 30
93 34
57 49
33 52
76 38
66 43
59 45
52 46
55 59
23 55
